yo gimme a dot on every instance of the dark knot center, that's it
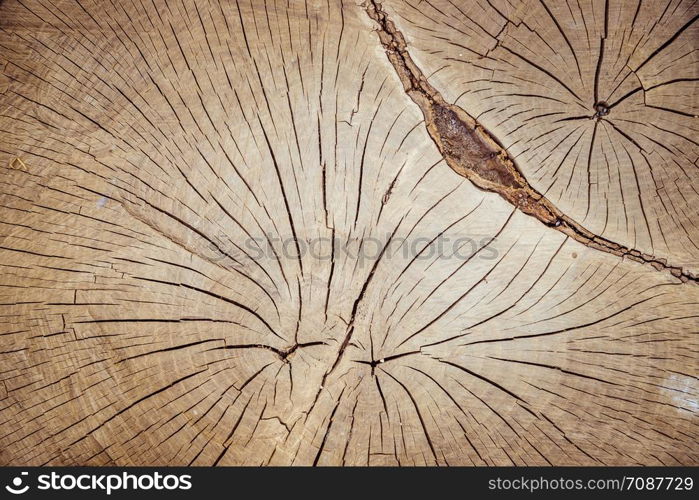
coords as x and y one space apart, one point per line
601 109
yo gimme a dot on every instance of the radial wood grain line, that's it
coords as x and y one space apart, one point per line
473 152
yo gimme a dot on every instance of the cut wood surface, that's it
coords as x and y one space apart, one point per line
412 232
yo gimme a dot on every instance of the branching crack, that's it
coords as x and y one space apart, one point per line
472 152
283 354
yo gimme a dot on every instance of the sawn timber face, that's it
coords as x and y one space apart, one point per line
473 152
233 236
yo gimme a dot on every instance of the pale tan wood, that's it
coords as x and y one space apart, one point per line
151 150
533 71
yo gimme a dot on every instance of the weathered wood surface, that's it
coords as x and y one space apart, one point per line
227 232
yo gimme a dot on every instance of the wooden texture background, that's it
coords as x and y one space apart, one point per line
219 225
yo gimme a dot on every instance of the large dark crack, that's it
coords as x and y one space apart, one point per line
473 152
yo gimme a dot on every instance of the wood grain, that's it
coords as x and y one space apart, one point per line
228 235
